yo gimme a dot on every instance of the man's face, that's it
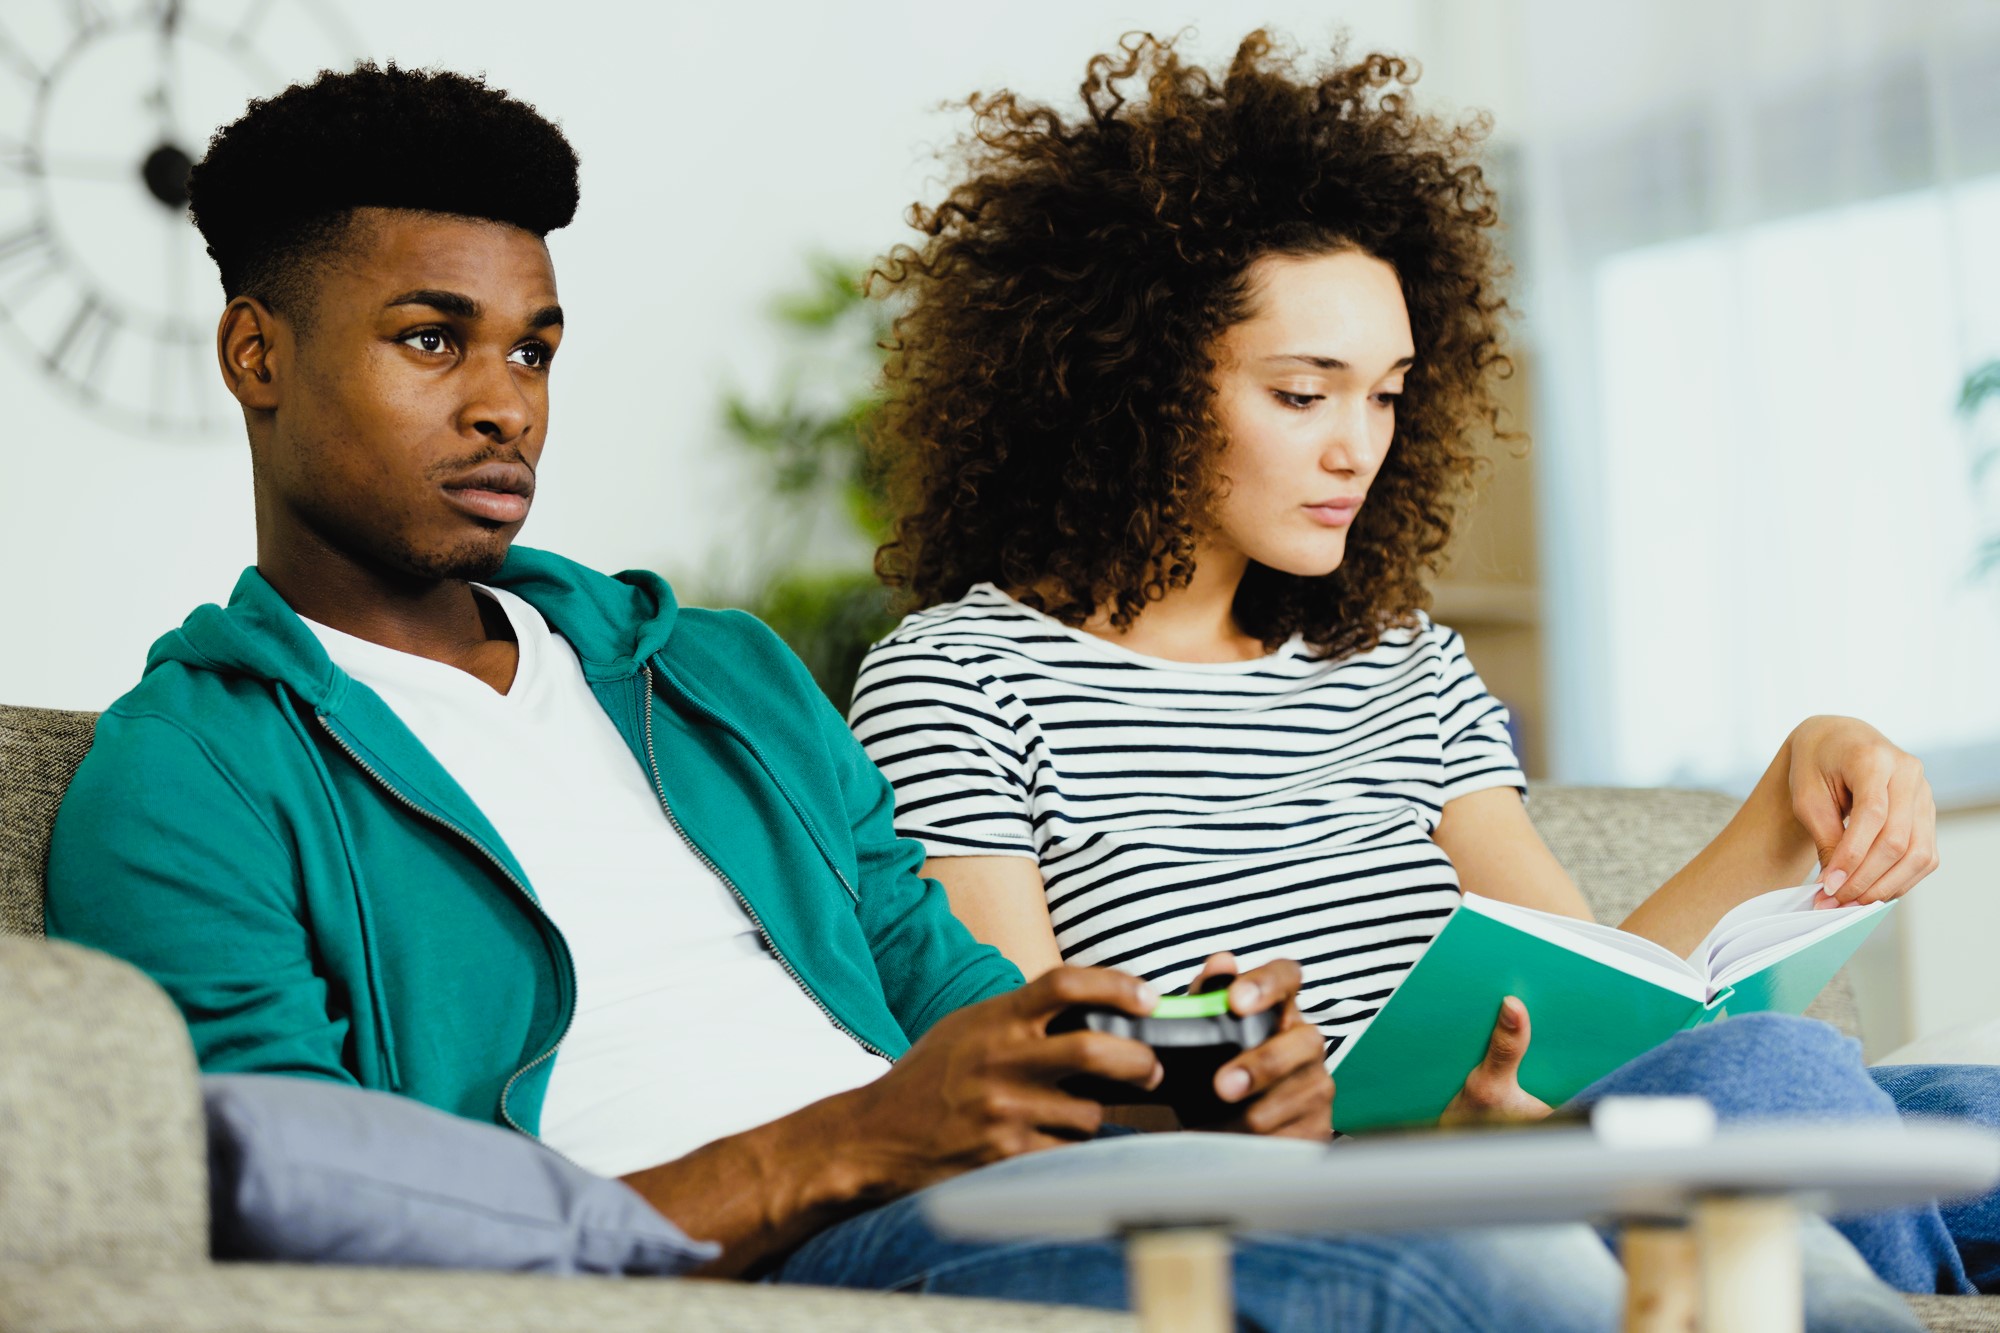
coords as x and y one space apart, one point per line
415 404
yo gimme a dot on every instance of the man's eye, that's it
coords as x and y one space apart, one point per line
427 340
535 356
1298 402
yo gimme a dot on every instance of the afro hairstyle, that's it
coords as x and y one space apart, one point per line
274 195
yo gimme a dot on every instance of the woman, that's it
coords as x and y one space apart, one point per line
1181 408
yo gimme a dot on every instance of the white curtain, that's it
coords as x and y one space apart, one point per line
1761 254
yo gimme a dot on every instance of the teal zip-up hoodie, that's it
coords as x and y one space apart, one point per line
260 833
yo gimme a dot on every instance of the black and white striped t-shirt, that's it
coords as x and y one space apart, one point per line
1277 808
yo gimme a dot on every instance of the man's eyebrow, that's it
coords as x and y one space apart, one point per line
460 306
455 304
1333 363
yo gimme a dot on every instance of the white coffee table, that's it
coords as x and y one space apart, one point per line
1710 1216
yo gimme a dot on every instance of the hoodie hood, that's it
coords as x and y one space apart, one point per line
613 622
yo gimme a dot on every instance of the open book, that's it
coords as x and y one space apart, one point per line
1596 997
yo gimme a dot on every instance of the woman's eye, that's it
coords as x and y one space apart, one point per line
535 356
1387 399
427 340
1298 402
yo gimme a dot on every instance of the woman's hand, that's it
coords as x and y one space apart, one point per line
1493 1089
1842 769
1283 1085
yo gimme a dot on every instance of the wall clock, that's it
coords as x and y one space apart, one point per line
104 105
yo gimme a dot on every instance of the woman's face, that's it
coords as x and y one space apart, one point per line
1305 389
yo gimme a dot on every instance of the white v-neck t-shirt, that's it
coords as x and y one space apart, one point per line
688 1028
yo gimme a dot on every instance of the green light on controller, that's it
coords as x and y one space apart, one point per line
1212 1005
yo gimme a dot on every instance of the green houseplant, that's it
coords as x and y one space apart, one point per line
1981 385
816 584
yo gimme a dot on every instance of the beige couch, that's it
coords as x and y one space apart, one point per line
103 1196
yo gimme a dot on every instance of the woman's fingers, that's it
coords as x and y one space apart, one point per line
1918 860
1891 838
1866 818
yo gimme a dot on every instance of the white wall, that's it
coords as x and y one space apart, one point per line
720 143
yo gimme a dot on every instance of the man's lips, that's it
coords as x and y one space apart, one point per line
1333 513
495 492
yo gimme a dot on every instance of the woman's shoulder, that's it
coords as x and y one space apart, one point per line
984 619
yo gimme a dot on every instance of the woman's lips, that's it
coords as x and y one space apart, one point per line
1335 514
493 506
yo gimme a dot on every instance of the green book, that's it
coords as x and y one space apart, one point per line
1596 996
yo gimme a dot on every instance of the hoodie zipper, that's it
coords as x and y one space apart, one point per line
410 805
660 789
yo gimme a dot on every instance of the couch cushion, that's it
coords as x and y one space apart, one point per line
306 1171
39 751
1621 843
278 1298
100 1124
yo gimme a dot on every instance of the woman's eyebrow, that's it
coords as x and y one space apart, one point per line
1333 363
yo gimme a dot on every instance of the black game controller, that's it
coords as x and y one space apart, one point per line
1193 1035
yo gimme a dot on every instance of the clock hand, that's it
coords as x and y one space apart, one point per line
162 97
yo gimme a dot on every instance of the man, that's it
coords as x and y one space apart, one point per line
423 813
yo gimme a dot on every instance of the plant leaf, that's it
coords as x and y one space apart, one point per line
1980 385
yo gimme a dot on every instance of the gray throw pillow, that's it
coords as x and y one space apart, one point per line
303 1171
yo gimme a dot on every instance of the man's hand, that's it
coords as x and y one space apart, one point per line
1283 1085
1493 1091
981 1085
1867 806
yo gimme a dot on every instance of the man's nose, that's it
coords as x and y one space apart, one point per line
495 407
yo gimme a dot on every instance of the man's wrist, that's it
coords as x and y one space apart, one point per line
846 1171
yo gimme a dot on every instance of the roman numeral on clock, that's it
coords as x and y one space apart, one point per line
18 163
28 257
80 349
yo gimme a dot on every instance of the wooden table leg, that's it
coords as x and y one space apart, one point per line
1752 1275
1179 1279
1662 1278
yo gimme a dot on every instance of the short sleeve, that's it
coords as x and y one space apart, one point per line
958 769
1472 726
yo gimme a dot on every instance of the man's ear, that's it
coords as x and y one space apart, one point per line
252 350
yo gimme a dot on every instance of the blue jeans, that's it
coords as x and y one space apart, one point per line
1555 1278
1762 1066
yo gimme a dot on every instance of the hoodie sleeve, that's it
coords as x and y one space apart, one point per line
929 962
158 858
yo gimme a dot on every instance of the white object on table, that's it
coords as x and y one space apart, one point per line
1745 1184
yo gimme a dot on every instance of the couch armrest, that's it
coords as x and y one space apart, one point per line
273 1298
102 1151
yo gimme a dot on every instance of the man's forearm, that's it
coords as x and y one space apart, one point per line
1763 847
765 1191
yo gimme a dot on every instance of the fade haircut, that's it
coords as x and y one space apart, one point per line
274 196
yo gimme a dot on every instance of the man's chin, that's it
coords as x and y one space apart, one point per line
468 560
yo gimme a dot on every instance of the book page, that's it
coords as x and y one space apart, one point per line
1766 928
1632 954
1784 924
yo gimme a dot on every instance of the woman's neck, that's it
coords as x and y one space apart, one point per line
1192 624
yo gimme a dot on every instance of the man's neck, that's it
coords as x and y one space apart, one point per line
441 619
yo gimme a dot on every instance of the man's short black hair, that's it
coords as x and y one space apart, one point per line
275 192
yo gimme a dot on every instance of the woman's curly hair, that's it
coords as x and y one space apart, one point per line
1049 421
